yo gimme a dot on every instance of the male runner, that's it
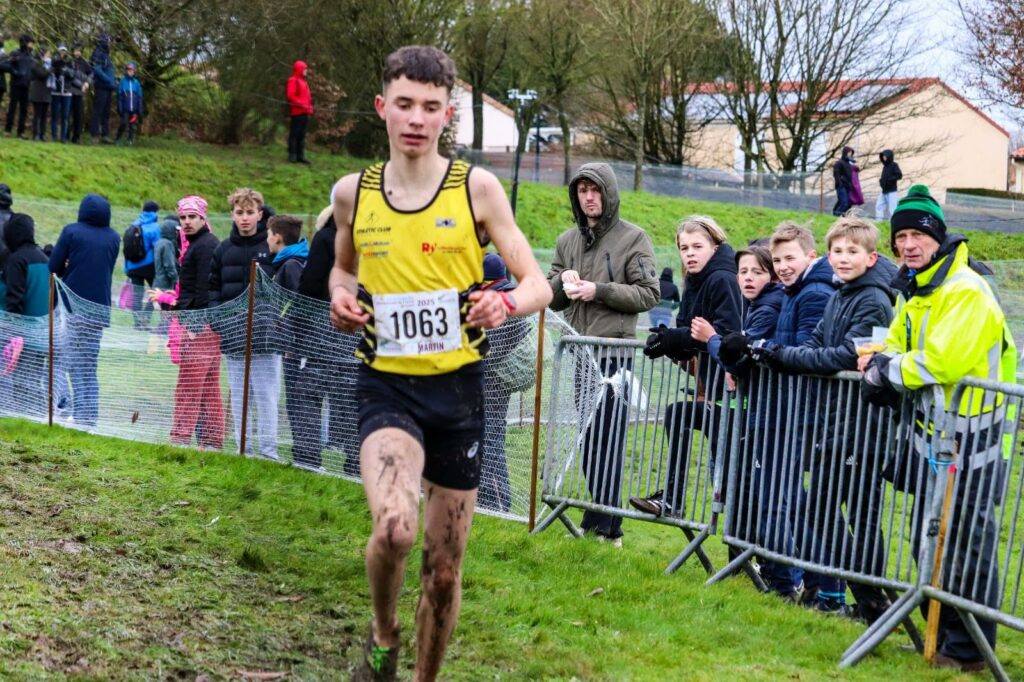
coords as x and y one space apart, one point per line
408 272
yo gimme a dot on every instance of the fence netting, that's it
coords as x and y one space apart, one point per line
137 372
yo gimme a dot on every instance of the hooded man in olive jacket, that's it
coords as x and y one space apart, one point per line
603 276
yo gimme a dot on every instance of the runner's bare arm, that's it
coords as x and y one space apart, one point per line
345 311
493 213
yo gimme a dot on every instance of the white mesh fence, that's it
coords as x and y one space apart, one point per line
178 377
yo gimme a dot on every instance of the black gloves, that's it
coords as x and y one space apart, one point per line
675 343
766 353
734 348
876 388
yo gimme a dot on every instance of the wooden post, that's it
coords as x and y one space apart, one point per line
248 357
931 639
538 389
49 392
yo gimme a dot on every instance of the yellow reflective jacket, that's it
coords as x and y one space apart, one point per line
954 330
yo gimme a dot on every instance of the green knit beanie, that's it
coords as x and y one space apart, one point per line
919 211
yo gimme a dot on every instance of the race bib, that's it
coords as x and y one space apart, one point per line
417 323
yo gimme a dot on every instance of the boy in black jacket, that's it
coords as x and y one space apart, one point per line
290 253
843 468
328 366
229 279
27 274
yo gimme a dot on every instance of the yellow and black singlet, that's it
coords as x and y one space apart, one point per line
416 271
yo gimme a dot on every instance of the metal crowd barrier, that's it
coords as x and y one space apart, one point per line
823 482
613 415
980 563
807 473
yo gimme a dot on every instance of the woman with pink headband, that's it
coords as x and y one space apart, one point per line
197 399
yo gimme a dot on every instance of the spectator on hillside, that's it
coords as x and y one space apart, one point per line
842 176
229 279
661 314
165 256
139 259
39 92
327 376
79 79
5 68
84 258
60 95
300 103
27 278
129 104
891 174
284 239
198 407
856 192
105 84
21 78
603 276
958 331
711 292
842 469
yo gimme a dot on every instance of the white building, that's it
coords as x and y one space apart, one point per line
500 134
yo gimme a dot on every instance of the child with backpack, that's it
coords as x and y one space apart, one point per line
138 244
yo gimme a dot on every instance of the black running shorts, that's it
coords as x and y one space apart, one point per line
444 412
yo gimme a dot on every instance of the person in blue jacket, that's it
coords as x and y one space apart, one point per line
141 273
104 84
129 104
84 258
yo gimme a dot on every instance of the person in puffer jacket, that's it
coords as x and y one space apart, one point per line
840 471
229 279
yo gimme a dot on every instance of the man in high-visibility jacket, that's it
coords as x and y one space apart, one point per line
950 326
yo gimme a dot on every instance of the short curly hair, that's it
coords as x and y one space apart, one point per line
420 63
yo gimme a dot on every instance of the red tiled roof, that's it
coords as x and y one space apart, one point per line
1018 155
844 87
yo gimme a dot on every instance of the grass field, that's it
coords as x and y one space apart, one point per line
165 169
155 563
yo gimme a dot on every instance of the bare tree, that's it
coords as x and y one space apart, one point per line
482 37
633 41
550 44
996 51
803 72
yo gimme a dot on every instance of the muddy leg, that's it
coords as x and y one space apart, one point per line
447 518
392 463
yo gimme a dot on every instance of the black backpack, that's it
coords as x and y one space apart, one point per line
134 243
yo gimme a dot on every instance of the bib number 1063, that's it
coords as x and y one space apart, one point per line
411 324
417 323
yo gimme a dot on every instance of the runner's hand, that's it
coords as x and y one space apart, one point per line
488 310
570 277
346 314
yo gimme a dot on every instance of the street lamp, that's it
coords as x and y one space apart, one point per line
520 97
